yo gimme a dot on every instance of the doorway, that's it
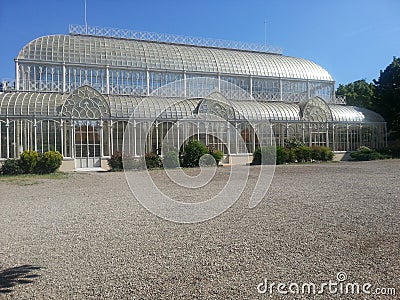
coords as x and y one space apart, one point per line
87 144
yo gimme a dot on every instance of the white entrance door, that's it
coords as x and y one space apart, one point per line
87 144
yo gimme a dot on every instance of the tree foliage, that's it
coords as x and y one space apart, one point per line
358 93
387 95
382 95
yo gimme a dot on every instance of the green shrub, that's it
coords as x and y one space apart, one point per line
11 167
364 153
303 153
216 154
282 155
48 162
171 160
192 153
28 161
326 154
153 160
316 153
292 143
321 153
115 161
264 156
291 155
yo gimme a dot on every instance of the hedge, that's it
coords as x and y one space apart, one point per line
264 155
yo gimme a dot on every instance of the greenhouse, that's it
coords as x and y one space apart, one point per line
77 93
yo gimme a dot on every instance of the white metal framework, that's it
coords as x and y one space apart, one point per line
43 121
169 38
61 63
77 94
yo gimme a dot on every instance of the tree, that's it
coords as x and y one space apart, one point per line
358 93
387 96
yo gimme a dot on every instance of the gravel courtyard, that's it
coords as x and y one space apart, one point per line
85 237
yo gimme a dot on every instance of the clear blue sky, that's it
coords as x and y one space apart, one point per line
352 39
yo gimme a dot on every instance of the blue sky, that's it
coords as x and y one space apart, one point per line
352 39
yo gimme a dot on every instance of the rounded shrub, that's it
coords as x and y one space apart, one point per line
28 161
49 162
171 160
11 167
364 153
192 152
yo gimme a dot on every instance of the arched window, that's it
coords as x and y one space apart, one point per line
86 103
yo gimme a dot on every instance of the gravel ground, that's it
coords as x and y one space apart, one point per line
84 237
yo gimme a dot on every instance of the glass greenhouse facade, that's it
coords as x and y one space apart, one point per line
77 93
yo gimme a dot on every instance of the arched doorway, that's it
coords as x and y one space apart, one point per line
87 111
318 115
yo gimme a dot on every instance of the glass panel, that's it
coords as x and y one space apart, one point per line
87 139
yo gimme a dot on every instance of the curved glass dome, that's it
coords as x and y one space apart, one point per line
342 113
124 53
272 111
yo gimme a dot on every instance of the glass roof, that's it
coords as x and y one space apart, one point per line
49 105
30 104
258 111
151 107
341 113
103 51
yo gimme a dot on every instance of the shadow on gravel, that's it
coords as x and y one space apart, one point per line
17 275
